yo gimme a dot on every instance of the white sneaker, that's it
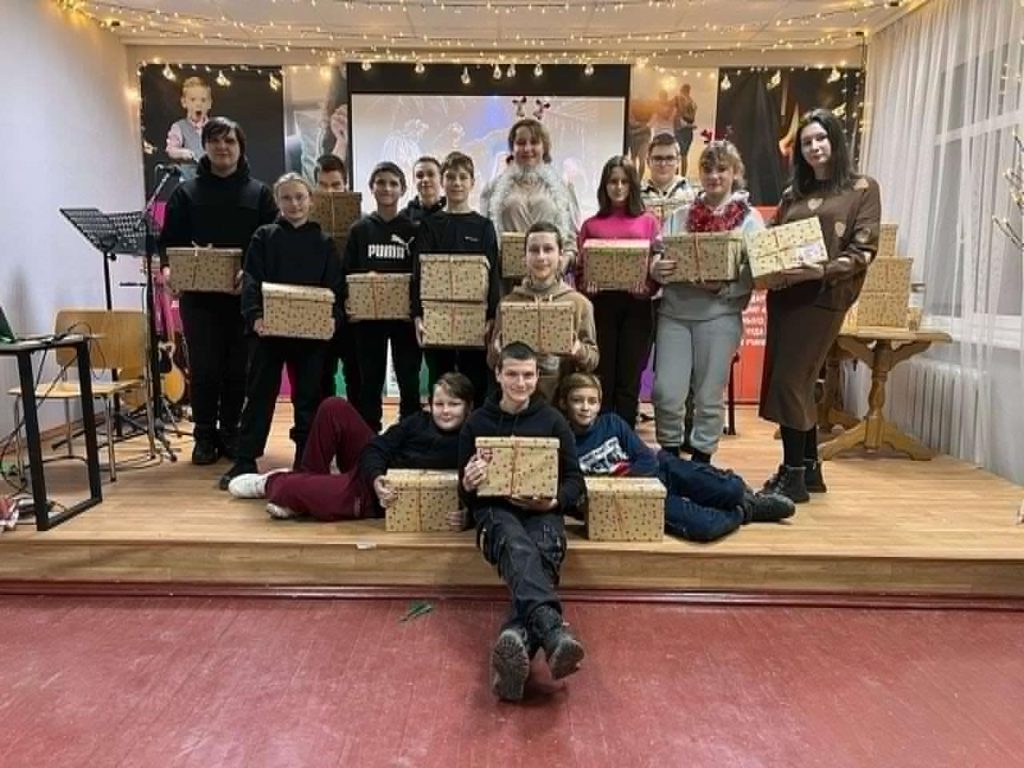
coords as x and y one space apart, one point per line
251 486
278 512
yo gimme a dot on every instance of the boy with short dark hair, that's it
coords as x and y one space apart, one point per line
523 537
383 242
330 174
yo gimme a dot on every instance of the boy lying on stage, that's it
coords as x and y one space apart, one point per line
524 537
704 503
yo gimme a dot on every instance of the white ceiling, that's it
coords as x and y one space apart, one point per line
613 30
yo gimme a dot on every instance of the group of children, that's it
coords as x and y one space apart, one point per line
587 399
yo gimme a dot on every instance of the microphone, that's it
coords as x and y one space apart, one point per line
168 169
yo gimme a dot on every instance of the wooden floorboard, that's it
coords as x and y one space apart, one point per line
887 525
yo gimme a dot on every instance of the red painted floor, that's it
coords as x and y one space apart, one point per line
155 682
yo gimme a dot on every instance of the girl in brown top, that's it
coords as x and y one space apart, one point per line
806 310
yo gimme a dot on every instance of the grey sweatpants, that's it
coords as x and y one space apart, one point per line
697 354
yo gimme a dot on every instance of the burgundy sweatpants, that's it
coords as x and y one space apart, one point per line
339 433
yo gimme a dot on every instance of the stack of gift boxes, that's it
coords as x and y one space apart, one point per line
336 212
453 289
772 251
885 297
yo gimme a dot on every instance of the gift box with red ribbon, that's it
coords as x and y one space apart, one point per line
625 509
378 296
704 256
335 212
423 500
520 466
298 311
204 270
453 277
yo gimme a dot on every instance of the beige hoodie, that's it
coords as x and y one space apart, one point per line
553 368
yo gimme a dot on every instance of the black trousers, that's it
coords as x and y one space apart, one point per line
625 326
527 548
305 359
217 355
472 363
342 348
372 337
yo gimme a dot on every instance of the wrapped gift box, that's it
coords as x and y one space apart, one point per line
790 245
615 265
888 275
461 277
298 311
209 270
520 466
665 210
454 325
548 327
705 256
378 296
625 509
336 212
513 254
881 310
887 241
424 499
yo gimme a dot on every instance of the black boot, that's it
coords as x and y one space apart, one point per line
700 457
227 442
763 507
563 651
240 467
510 664
205 452
812 476
789 482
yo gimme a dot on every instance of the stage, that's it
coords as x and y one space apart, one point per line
888 527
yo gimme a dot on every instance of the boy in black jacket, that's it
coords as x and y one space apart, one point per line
223 206
459 229
383 242
523 537
292 250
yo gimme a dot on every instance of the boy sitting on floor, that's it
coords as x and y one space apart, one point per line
704 503
524 537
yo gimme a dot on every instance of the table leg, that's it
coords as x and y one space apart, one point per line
92 452
33 441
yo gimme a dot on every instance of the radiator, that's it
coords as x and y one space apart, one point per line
938 403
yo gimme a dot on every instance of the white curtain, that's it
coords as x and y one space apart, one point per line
943 98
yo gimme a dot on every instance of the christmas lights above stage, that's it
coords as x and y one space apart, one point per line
327 31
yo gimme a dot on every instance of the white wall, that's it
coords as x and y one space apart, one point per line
72 140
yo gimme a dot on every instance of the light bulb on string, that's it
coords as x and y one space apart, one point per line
538 70
169 73
419 69
274 82
465 78
589 69
222 79
726 83
496 74
367 65
511 71
834 75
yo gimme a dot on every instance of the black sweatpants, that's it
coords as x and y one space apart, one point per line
528 549
625 326
472 363
372 337
217 355
305 359
342 348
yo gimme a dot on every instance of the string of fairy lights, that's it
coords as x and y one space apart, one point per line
332 36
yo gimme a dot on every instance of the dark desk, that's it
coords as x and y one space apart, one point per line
23 351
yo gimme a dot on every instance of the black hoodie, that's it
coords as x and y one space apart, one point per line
416 211
283 253
538 420
413 443
215 210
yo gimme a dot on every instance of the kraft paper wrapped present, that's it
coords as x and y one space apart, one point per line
520 466
887 241
774 250
513 254
447 324
298 311
455 277
889 275
424 499
615 265
881 310
336 212
548 327
625 509
705 256
378 296
206 270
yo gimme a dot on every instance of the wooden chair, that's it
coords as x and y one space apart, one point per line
119 344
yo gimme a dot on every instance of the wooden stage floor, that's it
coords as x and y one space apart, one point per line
887 526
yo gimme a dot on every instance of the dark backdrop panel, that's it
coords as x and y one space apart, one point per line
249 100
760 117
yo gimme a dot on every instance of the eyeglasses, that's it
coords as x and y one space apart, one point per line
664 159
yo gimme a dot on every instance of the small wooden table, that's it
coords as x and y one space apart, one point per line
881 349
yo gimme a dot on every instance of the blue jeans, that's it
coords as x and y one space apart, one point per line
703 502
